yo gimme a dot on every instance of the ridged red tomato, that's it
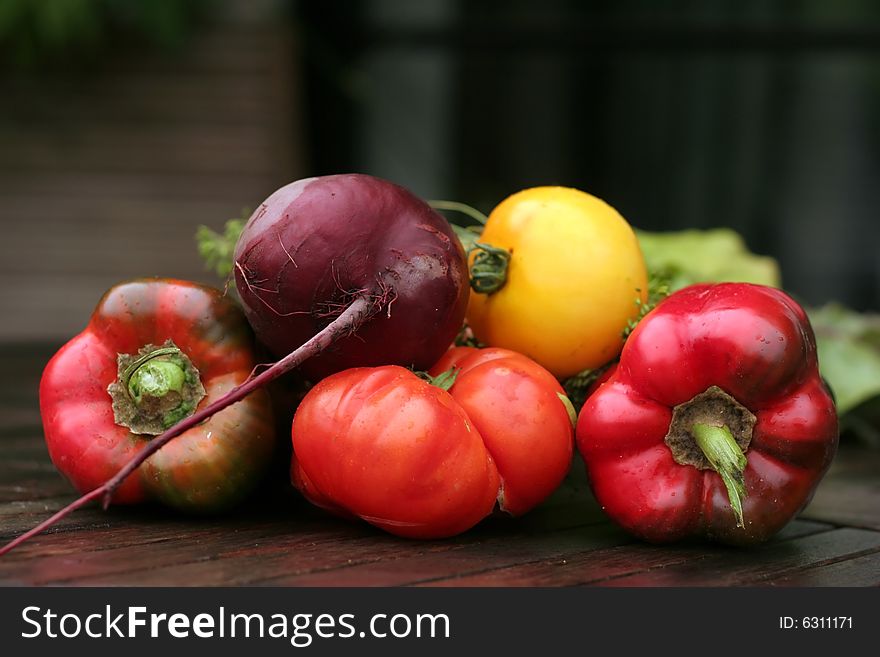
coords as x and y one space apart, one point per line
387 446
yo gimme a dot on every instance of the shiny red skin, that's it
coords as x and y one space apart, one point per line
384 445
514 404
315 244
209 467
756 344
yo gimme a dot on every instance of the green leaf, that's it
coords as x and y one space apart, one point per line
699 256
849 353
658 289
216 249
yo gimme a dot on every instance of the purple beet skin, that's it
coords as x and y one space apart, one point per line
317 244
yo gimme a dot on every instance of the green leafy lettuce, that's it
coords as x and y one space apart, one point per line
699 256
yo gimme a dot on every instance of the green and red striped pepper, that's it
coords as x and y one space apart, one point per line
153 351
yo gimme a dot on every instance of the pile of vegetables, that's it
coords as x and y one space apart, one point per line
704 411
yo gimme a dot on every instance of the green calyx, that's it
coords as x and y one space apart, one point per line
727 459
444 380
713 431
488 268
155 389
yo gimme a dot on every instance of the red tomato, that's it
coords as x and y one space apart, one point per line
523 415
392 449
386 446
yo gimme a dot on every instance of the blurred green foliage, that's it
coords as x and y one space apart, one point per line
216 249
849 353
38 33
697 256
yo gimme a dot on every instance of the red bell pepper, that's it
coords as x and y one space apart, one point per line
715 423
153 351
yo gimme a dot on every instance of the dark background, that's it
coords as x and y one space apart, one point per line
761 116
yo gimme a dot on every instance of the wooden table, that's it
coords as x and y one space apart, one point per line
278 539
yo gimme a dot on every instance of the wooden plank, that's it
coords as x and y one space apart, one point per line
18 440
15 471
280 559
123 526
497 551
853 458
751 566
584 567
24 489
166 553
859 571
96 548
17 420
851 498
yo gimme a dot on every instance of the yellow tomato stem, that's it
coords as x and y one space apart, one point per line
488 268
468 236
463 208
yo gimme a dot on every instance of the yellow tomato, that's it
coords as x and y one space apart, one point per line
574 277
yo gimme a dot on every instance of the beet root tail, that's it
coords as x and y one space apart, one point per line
360 310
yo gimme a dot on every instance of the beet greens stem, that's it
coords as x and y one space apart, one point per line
352 318
464 208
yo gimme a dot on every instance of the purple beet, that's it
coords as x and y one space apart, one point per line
315 245
335 272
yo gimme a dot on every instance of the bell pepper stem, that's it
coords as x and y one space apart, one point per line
353 317
728 460
137 364
156 388
156 379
